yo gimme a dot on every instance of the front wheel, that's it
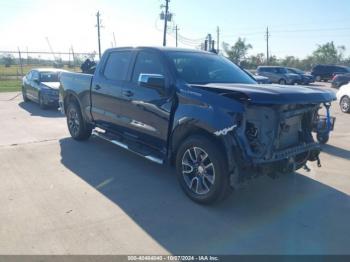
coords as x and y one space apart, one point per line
202 170
282 82
24 94
345 104
78 128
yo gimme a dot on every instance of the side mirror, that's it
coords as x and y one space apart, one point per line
154 81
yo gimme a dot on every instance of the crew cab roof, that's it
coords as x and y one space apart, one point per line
159 48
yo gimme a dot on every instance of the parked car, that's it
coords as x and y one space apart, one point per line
327 72
305 78
340 80
41 86
343 96
259 79
197 111
278 74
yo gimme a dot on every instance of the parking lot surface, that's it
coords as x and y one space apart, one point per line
59 196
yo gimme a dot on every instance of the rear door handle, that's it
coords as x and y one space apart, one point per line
128 93
97 87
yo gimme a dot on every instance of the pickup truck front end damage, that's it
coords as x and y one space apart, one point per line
274 138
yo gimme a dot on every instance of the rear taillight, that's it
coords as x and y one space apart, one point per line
334 77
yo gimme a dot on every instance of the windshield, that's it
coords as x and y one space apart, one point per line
49 77
295 70
202 68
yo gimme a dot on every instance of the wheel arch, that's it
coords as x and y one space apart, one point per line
184 131
68 98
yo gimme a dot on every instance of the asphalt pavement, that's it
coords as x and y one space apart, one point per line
59 196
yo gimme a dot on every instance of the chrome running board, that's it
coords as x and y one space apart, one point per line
104 136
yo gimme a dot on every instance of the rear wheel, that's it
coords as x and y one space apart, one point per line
345 104
318 78
24 94
202 170
77 127
282 82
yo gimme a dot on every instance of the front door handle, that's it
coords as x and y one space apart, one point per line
128 93
97 87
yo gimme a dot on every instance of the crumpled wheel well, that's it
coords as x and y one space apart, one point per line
181 133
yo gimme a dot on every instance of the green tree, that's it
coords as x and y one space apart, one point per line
238 51
328 54
8 60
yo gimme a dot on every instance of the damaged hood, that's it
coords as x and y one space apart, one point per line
52 85
271 94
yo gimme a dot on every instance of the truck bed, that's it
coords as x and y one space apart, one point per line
79 85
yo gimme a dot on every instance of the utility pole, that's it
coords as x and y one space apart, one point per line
165 21
115 43
209 43
176 30
27 57
267 45
20 61
217 39
98 33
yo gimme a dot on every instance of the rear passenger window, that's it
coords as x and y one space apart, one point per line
117 65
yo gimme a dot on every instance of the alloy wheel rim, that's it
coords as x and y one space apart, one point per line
73 122
198 170
345 105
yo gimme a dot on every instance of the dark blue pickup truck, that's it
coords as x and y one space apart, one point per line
198 112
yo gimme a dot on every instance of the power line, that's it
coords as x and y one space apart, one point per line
253 28
290 31
312 30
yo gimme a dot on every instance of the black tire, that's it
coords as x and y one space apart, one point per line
78 128
41 102
345 104
24 95
282 82
210 173
322 138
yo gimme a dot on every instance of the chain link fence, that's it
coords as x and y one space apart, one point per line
15 64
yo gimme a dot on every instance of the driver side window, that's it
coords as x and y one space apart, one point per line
147 63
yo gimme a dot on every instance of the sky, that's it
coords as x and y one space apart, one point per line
296 27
